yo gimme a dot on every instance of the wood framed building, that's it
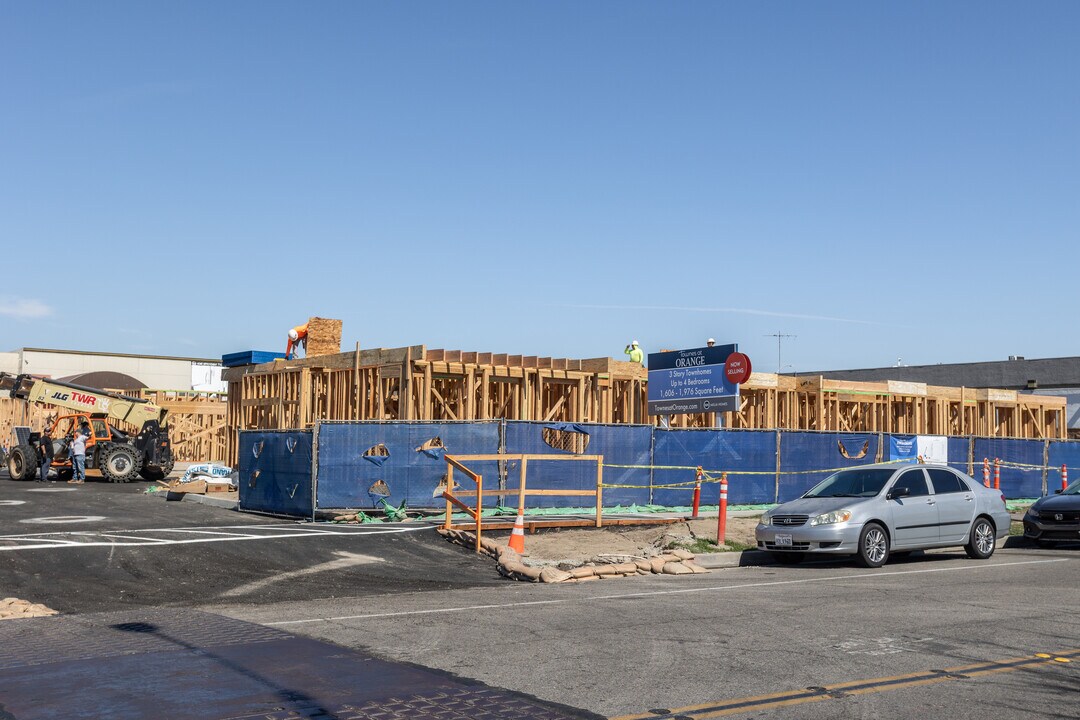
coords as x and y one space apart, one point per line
415 383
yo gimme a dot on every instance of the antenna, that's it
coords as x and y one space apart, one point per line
779 338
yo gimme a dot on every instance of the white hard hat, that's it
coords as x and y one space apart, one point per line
710 340
293 335
634 343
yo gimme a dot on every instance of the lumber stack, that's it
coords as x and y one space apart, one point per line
324 337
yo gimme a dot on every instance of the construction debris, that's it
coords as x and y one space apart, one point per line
14 608
512 565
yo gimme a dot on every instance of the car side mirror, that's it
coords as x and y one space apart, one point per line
899 492
1058 491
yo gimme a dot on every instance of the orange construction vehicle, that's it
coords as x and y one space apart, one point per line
118 455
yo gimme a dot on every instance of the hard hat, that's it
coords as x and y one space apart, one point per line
710 340
293 335
634 343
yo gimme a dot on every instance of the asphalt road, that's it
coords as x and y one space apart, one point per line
626 647
100 546
935 635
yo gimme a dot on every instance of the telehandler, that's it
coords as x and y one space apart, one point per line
118 455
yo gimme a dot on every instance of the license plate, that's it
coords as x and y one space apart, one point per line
782 540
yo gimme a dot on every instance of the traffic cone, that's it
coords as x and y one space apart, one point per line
517 537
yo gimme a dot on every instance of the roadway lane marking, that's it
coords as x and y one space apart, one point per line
144 537
57 519
6 503
656 593
839 690
345 560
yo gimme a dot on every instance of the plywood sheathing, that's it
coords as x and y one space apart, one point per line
324 337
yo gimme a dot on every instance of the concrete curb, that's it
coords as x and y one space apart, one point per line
744 558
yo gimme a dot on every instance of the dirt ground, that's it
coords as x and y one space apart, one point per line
621 543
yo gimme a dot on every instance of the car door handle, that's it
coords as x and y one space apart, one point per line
968 498
929 501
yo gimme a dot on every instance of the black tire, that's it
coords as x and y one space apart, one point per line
981 542
64 473
119 464
158 472
22 462
788 558
873 546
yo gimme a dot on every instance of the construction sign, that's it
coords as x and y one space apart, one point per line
695 380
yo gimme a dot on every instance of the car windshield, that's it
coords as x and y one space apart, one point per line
861 482
1073 489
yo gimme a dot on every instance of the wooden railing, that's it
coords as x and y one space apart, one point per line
453 496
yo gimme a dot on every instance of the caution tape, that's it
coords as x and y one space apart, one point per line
715 476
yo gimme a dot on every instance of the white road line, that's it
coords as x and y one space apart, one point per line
53 540
345 560
681 591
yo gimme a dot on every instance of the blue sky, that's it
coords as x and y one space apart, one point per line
880 180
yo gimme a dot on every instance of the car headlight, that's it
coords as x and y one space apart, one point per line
1033 513
765 519
831 518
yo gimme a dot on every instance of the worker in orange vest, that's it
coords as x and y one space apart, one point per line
297 338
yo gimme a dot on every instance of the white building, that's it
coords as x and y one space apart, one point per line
152 371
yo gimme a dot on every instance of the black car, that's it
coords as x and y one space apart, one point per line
1055 518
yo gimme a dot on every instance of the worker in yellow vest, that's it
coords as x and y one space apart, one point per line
635 353
297 338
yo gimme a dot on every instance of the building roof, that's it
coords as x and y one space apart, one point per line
1007 374
212 361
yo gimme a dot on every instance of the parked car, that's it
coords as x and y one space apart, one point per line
1055 518
874 510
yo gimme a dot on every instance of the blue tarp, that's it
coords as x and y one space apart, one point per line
716 451
1016 482
807 450
412 474
1062 452
275 471
619 444
275 466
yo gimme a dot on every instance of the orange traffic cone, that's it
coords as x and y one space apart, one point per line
517 537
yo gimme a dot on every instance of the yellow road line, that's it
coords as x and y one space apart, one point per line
736 706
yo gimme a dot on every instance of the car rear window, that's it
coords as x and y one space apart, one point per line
946 482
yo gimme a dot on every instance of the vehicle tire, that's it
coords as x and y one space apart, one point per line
873 546
119 464
64 473
981 543
158 472
22 462
787 558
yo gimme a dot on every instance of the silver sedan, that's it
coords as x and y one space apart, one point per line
874 510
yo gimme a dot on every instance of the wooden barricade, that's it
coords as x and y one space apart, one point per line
454 497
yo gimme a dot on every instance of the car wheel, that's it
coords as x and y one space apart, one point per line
981 544
873 546
788 558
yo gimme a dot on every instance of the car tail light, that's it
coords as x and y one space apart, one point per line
1002 498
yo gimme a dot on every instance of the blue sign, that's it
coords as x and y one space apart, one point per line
691 381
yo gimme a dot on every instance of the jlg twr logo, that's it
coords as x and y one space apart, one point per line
82 399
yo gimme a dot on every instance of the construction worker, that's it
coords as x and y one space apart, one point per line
45 452
297 338
710 342
635 353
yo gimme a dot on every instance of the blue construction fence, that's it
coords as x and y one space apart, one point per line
351 465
